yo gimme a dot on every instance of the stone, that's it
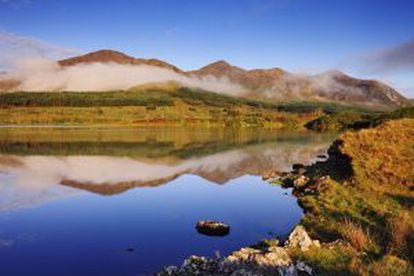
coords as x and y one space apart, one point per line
212 228
296 167
300 182
271 175
275 256
301 266
300 238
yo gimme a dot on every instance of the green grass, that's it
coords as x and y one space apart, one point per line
160 96
85 99
163 105
144 107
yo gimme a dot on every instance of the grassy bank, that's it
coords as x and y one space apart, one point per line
363 198
340 121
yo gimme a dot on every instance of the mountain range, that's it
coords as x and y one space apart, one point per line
273 84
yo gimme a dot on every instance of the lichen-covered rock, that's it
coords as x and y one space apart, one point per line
263 259
300 238
274 256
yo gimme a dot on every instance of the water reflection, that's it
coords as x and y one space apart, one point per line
52 182
37 160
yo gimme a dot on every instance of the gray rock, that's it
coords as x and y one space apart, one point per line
300 238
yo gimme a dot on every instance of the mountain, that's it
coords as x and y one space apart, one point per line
251 79
106 56
273 84
278 84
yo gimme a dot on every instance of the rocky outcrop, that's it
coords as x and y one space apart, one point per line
263 259
300 238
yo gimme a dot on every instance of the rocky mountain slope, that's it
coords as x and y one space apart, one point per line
272 84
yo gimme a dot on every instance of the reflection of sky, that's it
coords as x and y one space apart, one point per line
45 227
89 234
27 180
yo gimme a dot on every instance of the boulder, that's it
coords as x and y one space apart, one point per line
212 228
300 238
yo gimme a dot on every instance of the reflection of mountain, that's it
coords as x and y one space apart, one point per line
111 175
82 160
151 143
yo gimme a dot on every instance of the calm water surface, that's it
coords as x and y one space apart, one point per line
125 202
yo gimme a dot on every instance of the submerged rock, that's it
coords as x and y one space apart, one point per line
212 228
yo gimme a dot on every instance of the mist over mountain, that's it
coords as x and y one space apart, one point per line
111 70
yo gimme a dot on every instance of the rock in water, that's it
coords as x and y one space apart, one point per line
212 228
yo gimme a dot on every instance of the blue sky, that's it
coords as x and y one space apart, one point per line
297 35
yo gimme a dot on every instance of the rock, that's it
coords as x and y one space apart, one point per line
271 175
301 266
170 270
288 271
212 228
300 182
320 181
274 256
297 166
300 238
300 171
273 260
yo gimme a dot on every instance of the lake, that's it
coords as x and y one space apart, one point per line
79 201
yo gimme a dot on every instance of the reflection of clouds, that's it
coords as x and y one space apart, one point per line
6 243
27 180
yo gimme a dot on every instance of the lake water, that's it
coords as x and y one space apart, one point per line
126 201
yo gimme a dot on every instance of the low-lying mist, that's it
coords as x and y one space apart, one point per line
38 74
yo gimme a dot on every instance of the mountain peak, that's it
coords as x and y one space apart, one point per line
221 62
112 56
103 56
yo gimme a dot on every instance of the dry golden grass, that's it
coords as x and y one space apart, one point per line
372 206
358 237
402 235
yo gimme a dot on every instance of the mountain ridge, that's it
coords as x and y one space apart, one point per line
274 84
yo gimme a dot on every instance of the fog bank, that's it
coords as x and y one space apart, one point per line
39 74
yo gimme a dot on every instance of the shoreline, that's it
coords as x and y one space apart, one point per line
335 196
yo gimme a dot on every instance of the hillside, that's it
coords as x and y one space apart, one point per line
169 105
361 198
273 84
